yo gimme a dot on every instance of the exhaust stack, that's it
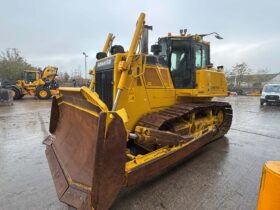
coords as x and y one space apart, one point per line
145 39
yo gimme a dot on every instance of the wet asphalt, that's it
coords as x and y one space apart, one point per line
223 175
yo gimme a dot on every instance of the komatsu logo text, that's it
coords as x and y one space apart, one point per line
104 63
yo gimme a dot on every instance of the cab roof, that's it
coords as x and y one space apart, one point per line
195 37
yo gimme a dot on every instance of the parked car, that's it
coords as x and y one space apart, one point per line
270 94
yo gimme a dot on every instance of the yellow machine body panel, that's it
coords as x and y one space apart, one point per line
150 88
211 83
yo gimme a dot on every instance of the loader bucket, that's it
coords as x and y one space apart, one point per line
86 150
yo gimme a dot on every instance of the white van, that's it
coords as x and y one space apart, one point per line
270 94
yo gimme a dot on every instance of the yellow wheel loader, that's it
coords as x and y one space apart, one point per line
36 83
142 114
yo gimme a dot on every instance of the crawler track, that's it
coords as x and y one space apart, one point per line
166 118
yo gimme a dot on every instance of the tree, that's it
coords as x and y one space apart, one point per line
227 73
239 70
60 74
262 76
66 76
262 71
12 64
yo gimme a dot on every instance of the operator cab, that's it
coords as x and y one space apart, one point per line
30 76
184 55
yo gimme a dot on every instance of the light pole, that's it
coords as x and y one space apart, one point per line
85 64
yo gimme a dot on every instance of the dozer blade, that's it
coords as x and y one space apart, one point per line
86 150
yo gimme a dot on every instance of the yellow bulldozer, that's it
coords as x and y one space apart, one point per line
36 83
142 114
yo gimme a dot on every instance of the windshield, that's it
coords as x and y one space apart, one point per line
272 88
30 77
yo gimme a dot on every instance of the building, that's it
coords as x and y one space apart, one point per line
275 80
252 81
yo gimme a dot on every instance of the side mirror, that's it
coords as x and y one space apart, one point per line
101 55
218 37
156 49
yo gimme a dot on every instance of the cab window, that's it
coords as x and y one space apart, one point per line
204 58
163 54
200 57
178 61
30 77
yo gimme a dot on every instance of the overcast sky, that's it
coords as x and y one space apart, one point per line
56 32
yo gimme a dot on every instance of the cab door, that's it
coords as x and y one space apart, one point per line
181 65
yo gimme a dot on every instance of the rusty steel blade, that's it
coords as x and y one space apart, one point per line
86 153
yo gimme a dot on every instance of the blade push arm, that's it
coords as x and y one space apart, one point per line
108 43
125 65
